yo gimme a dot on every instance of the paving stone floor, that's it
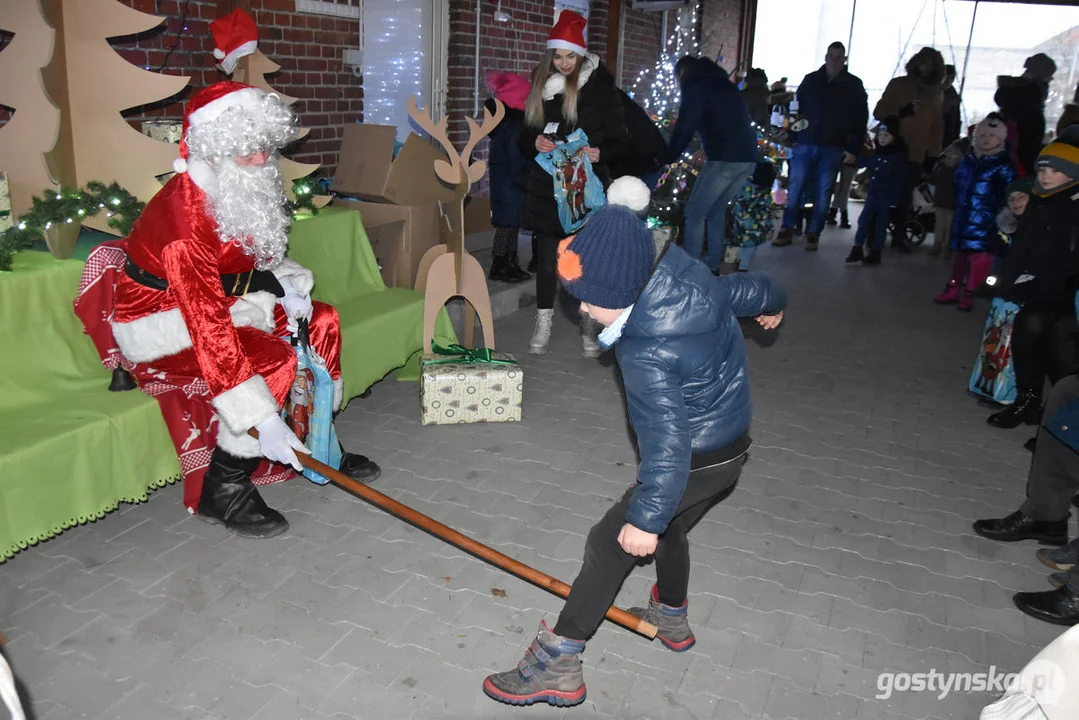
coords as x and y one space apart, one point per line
845 552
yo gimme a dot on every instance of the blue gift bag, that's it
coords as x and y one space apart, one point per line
309 407
993 376
577 190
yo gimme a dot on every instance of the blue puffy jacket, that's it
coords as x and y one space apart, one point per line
683 363
981 184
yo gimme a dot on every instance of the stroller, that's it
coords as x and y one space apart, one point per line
921 216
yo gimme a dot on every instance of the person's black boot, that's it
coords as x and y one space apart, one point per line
873 258
1027 408
832 212
514 269
359 467
844 220
1060 606
229 498
503 271
1019 526
856 254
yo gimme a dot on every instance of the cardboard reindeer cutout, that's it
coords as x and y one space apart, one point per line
448 270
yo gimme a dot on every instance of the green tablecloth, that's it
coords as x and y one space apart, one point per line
70 450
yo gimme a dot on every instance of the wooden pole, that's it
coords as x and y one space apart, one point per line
444 532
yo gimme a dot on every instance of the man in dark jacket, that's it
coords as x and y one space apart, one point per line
1022 103
683 363
950 109
833 102
712 106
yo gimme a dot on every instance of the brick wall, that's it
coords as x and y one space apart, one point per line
307 47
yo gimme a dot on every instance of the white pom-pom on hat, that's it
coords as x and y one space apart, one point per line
179 165
630 192
219 53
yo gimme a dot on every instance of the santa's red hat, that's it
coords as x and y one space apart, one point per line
568 33
235 36
208 104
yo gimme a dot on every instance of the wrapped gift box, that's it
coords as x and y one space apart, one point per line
6 217
163 130
455 391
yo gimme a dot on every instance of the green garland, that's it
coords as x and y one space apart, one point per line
67 206
303 190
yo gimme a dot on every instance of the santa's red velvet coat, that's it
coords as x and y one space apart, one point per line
175 239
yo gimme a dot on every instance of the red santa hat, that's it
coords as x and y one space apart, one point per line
568 33
235 36
209 103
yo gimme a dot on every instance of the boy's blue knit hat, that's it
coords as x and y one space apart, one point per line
608 262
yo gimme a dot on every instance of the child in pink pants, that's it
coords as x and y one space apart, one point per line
981 183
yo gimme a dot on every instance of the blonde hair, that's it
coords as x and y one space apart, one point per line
534 105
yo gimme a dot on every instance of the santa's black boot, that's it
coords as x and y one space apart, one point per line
229 498
359 467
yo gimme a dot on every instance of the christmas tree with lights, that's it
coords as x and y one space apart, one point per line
656 90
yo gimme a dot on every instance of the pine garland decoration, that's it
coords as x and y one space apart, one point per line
67 206
303 190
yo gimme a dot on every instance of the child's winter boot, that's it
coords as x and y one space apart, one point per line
549 672
950 294
966 300
672 622
844 220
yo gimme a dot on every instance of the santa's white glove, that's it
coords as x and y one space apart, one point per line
278 443
295 305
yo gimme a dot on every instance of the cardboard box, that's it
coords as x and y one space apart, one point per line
459 392
386 189
163 130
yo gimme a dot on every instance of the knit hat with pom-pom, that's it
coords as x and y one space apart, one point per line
608 262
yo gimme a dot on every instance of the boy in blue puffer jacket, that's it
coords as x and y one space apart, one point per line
981 183
889 166
683 362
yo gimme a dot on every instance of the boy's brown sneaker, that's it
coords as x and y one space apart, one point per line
672 622
549 672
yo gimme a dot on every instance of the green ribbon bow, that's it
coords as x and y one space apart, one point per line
460 354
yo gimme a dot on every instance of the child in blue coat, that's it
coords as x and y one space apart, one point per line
981 183
888 164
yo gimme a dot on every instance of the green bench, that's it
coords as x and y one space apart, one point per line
71 451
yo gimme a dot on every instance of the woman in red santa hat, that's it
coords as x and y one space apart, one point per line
571 89
208 292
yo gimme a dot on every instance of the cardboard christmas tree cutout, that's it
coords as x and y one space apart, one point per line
235 38
92 85
34 126
253 70
448 270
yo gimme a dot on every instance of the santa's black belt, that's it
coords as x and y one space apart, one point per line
234 285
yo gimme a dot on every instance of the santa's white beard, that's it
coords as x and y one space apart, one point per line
248 205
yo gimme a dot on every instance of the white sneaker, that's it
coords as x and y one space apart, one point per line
541 335
589 331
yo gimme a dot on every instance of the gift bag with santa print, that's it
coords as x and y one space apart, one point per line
577 190
309 408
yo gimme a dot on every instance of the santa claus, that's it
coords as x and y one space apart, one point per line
207 291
